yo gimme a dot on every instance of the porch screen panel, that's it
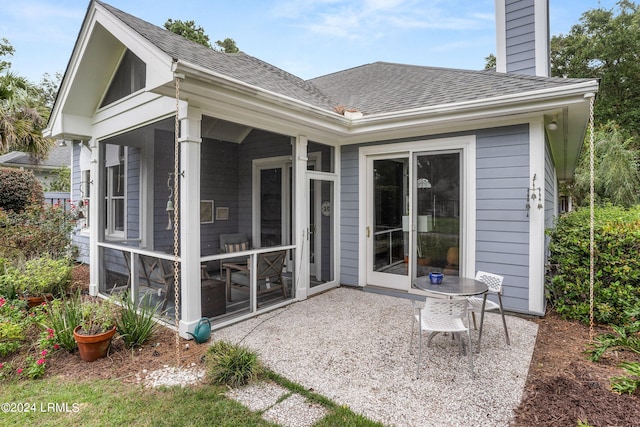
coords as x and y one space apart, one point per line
271 207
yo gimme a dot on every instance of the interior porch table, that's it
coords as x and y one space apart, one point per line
456 286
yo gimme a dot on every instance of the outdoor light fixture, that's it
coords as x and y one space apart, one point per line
553 125
62 143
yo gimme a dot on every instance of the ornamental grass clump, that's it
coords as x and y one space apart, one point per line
232 364
136 324
63 316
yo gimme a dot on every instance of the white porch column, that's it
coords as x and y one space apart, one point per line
301 203
190 124
536 218
97 176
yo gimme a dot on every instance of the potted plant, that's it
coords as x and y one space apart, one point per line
96 329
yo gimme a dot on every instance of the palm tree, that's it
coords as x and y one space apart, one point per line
23 116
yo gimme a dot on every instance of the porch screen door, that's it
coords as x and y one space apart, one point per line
321 232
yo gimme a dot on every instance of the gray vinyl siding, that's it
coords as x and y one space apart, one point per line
349 199
133 193
502 224
520 37
79 239
550 196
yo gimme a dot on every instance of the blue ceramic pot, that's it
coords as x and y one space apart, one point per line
436 278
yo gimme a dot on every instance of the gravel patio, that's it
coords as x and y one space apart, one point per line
353 347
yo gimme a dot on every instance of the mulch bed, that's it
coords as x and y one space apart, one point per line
563 387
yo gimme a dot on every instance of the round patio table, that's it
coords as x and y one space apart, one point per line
456 286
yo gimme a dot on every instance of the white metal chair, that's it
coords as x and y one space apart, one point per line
494 282
443 315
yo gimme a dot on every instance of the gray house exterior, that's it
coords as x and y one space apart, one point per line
367 177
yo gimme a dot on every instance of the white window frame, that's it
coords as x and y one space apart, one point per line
110 198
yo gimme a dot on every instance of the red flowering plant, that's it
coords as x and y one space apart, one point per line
27 357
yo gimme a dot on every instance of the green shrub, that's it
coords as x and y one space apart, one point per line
19 189
617 264
136 324
231 364
38 276
37 230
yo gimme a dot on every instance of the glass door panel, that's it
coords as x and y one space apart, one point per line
387 238
437 205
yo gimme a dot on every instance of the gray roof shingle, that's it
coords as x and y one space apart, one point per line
383 87
380 87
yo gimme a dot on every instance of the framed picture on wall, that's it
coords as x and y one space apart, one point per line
222 214
206 211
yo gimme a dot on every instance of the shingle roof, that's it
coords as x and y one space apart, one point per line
386 87
380 87
58 157
240 66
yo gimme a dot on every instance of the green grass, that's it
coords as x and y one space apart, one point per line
108 402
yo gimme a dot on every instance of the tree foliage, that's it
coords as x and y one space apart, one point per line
227 46
23 112
188 30
616 170
18 189
606 46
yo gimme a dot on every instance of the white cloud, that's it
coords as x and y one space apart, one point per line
362 19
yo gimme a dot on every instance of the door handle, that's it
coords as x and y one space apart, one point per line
368 232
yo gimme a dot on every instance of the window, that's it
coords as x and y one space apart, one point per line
115 190
129 78
85 195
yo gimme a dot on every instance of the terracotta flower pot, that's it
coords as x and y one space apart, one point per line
93 347
38 300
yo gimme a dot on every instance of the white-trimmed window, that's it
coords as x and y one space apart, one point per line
85 196
115 200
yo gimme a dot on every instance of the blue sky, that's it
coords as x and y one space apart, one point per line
308 38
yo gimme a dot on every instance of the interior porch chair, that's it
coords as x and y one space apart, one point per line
233 242
441 315
268 274
494 282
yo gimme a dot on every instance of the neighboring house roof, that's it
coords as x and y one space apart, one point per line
376 88
58 157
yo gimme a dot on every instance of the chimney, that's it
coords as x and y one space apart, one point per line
522 37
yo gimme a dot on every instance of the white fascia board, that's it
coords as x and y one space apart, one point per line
156 108
520 100
234 100
231 100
